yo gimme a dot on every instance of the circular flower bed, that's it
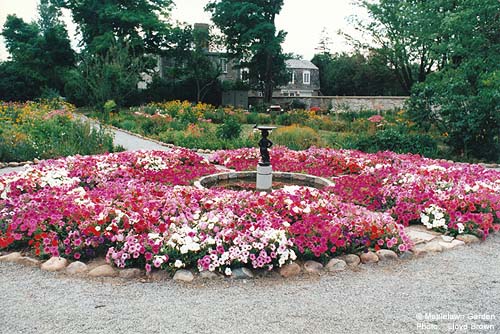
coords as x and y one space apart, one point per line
140 209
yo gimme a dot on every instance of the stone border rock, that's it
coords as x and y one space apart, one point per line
426 242
315 181
18 164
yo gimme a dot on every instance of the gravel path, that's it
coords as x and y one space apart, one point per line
383 298
133 143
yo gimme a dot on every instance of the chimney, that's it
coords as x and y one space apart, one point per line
201 35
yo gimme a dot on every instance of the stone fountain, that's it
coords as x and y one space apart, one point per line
264 168
262 179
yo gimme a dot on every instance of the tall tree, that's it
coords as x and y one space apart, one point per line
189 59
138 23
405 33
251 36
40 52
355 74
112 75
118 39
463 98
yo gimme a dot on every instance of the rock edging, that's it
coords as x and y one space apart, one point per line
426 241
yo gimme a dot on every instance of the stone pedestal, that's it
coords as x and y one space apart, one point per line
264 177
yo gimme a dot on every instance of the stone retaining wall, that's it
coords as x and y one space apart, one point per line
341 103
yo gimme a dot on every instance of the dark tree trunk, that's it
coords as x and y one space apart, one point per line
268 82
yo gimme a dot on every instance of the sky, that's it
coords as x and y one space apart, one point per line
304 21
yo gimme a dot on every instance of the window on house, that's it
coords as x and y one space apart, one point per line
223 65
244 76
292 77
306 77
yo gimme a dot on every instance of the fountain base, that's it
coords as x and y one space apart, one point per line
246 181
264 177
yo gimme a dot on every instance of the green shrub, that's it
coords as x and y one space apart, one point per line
127 124
293 117
296 137
51 138
208 140
399 142
258 118
298 104
230 129
217 116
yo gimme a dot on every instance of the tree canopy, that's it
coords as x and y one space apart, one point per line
463 97
406 34
355 74
251 36
40 54
447 54
139 23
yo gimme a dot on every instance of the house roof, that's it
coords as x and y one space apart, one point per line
299 63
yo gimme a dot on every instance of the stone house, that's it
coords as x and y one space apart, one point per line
304 79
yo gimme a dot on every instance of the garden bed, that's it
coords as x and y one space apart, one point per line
139 209
47 129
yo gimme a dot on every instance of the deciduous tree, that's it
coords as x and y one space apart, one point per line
251 36
405 33
463 98
40 53
141 24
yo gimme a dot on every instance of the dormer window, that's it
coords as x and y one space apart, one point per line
244 74
223 65
306 77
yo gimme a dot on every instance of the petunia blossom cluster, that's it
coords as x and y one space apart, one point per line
402 185
140 209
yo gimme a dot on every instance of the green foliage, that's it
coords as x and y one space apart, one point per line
40 55
112 75
230 129
406 34
109 106
258 118
297 104
189 62
138 23
396 141
58 137
51 137
206 139
251 36
18 83
296 137
343 74
292 117
217 116
463 99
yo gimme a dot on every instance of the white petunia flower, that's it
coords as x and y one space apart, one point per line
184 249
